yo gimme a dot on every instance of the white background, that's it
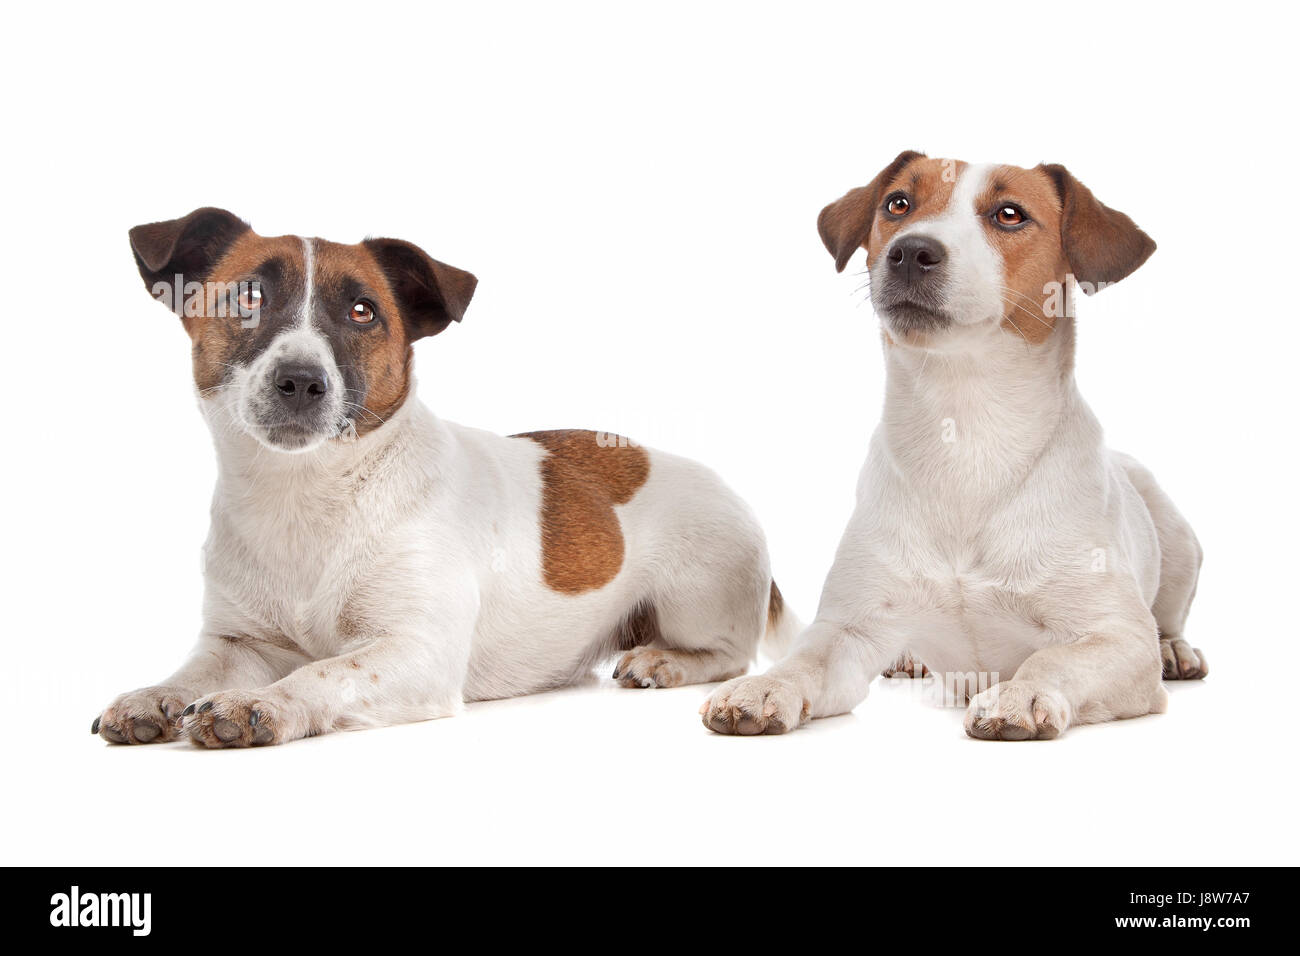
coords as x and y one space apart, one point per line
636 189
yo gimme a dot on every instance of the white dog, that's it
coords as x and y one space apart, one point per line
369 564
995 541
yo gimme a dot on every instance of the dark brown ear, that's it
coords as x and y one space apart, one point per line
188 247
1101 244
845 224
430 293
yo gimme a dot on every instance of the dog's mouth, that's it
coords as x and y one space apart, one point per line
292 436
280 432
908 316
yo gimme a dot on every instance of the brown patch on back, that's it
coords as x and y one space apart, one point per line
582 480
1034 267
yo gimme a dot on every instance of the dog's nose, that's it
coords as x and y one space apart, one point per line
915 256
300 385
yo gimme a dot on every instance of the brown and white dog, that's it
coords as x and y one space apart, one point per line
996 541
370 564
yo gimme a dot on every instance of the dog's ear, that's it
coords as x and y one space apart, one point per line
188 247
431 294
845 224
1101 244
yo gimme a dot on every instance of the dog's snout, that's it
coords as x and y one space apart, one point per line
913 257
301 385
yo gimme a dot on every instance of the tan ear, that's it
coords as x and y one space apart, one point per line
431 294
845 224
1101 244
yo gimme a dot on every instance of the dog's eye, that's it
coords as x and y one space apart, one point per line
363 313
250 299
898 206
1009 215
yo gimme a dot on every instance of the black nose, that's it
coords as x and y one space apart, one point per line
913 257
300 385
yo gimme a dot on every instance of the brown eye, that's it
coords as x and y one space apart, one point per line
363 313
1009 216
898 206
250 299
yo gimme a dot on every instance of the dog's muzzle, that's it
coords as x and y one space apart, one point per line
296 406
910 298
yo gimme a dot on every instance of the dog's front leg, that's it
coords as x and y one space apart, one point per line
828 672
397 673
1110 672
222 659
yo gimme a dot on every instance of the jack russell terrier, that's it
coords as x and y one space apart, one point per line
995 540
370 564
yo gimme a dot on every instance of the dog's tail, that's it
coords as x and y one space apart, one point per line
783 626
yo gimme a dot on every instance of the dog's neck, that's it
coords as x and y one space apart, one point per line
970 423
252 477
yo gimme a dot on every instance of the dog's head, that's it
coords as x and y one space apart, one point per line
956 250
301 340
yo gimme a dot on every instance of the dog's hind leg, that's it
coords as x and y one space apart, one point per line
1180 566
706 631
906 666
690 647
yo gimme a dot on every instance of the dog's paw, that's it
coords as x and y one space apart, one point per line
232 718
906 666
1181 661
755 705
1017 710
150 715
650 667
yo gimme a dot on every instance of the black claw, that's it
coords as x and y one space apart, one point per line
94 728
615 673
253 718
205 707
187 711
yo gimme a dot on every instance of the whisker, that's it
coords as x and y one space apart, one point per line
362 408
1028 312
1017 328
1016 305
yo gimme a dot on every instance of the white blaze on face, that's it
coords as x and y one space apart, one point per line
972 289
302 343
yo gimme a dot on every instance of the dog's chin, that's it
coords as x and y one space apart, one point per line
910 321
291 438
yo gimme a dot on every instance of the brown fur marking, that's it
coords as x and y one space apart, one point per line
215 338
582 481
775 605
386 356
1032 257
929 184
1102 244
